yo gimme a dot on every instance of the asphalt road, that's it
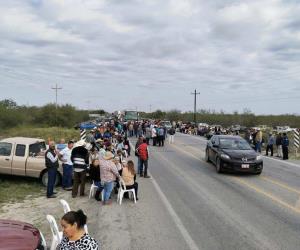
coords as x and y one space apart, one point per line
206 210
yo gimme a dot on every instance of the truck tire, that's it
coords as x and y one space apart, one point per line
44 178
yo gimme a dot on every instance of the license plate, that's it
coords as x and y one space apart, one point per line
245 165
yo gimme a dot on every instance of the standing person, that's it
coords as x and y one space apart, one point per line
127 145
154 135
75 237
172 134
80 159
108 173
161 133
258 140
61 145
129 177
67 166
138 143
144 157
285 146
135 128
51 161
95 177
279 145
148 134
271 142
130 128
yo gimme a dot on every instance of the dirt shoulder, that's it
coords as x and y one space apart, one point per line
144 225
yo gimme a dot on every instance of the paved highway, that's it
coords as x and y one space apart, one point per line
226 211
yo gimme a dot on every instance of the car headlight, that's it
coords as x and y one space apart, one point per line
224 156
259 157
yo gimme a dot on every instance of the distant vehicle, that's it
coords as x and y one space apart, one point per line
24 156
283 129
166 124
130 115
86 125
16 235
233 153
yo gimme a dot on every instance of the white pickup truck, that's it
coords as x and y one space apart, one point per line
24 157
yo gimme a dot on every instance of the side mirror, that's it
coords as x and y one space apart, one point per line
32 154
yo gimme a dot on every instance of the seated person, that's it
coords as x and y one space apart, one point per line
95 176
129 177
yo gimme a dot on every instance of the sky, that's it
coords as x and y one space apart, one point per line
152 54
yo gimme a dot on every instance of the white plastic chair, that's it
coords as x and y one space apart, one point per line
67 208
92 190
65 205
56 234
123 190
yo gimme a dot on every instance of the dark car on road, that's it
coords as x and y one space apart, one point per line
233 153
16 235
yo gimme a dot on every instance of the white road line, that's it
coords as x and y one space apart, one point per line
283 162
188 239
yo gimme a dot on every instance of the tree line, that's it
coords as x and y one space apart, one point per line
13 115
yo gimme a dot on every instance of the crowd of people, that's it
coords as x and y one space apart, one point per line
104 153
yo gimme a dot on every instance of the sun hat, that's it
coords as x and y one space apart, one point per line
108 155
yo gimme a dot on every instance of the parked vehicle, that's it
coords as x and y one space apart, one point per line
16 235
166 124
233 153
86 125
25 157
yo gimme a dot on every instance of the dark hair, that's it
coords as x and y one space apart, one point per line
144 140
75 216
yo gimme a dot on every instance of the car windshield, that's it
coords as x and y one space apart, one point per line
234 144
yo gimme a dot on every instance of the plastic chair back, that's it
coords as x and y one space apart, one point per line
65 205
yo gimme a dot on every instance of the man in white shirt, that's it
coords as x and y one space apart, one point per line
65 156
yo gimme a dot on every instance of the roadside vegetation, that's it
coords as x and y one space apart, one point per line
16 189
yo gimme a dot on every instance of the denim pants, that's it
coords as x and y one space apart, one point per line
51 180
138 165
143 167
67 175
99 185
108 187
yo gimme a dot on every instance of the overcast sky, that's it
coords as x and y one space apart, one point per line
151 54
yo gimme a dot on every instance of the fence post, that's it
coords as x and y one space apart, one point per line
296 141
82 134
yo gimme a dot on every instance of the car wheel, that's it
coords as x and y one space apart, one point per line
258 173
207 156
218 165
44 178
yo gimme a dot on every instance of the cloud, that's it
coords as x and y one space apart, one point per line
142 53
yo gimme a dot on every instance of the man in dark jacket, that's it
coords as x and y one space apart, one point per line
80 159
51 160
285 146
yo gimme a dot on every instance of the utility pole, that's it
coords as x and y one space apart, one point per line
195 103
56 88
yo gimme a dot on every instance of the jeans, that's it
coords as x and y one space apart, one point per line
51 180
99 185
138 165
258 147
67 175
108 187
143 166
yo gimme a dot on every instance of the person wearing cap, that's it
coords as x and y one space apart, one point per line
258 140
51 161
271 142
108 173
80 159
67 166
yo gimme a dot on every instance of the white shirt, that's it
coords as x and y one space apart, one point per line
66 156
